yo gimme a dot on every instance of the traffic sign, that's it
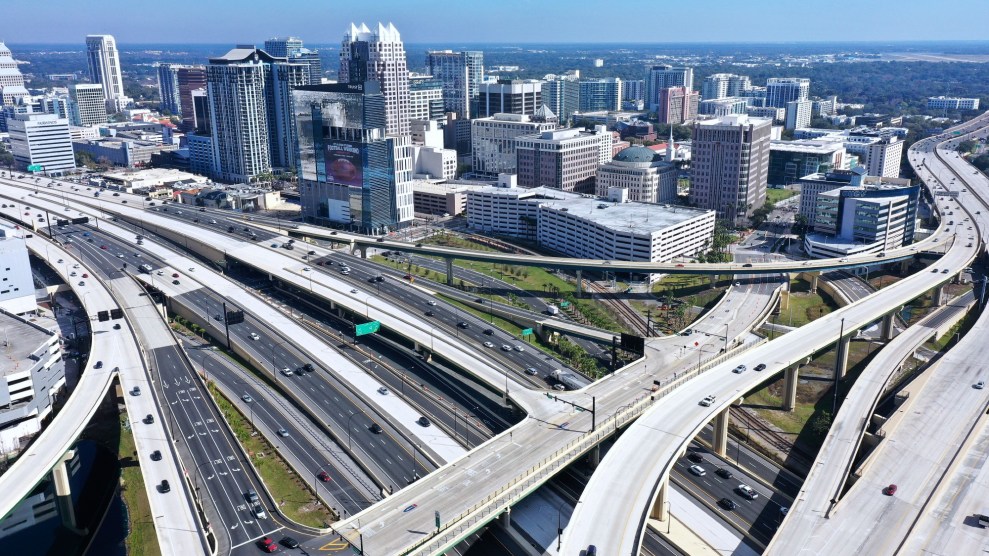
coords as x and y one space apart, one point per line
437 520
35 168
526 332
367 328
564 304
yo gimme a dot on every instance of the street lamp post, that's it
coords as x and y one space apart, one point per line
349 447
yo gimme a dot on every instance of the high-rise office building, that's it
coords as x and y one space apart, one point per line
721 85
296 53
600 94
11 80
104 68
351 171
664 77
425 98
729 165
189 79
798 114
781 90
508 96
460 73
379 56
43 140
200 112
565 159
562 96
634 89
251 122
676 105
882 157
86 104
168 88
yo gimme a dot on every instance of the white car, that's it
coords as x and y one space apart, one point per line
254 336
353 290
739 369
519 348
698 470
282 432
383 391
306 268
430 302
247 398
707 401
747 492
286 371
488 345
506 347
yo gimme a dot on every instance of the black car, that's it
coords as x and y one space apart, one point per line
760 367
116 326
728 504
375 428
747 265
723 473
164 487
149 419
290 542
429 313
423 421
488 331
463 324
98 365
156 455
696 457
230 229
308 367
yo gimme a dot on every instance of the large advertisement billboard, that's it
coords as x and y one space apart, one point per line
344 163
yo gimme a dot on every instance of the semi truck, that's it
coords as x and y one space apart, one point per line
569 380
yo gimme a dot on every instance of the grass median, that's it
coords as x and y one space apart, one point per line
294 496
142 540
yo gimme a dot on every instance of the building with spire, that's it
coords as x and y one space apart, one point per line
11 81
379 55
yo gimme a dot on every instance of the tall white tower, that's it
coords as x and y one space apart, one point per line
379 56
104 68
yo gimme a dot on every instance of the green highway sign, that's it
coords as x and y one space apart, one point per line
526 332
35 168
367 328
564 304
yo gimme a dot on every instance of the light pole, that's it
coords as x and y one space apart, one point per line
559 525
352 415
834 403
273 346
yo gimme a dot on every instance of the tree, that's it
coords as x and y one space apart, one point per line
968 146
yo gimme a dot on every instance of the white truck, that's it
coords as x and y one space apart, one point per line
552 310
569 380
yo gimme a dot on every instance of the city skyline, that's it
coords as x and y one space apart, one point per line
577 21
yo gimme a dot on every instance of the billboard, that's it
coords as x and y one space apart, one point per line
344 162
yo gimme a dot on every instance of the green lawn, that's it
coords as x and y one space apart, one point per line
805 306
142 540
776 195
295 495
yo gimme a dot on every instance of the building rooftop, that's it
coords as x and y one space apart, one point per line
809 146
636 218
442 188
19 340
637 154
736 119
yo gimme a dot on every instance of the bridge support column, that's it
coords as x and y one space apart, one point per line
363 251
580 284
841 358
792 377
814 276
720 438
937 296
886 330
506 518
594 456
661 509
449 272
904 266
63 494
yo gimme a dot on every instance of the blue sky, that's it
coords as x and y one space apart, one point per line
509 21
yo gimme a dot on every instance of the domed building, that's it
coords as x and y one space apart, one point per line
642 172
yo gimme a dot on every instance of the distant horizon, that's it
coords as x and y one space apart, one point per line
81 43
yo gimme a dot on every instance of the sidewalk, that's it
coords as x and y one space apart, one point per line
704 535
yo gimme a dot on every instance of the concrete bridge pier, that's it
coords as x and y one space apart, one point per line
580 284
792 377
63 494
721 432
594 456
814 277
887 327
937 296
841 357
449 271
660 509
506 518
905 265
363 250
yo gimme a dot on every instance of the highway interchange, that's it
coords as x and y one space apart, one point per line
542 431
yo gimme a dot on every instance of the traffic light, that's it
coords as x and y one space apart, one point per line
103 316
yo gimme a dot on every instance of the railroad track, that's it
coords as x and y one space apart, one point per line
628 315
775 439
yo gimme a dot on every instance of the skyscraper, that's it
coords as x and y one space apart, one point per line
460 73
664 77
11 80
676 105
168 88
86 104
508 96
600 94
730 165
293 49
722 85
250 112
781 90
379 56
425 97
562 96
190 78
104 68
351 172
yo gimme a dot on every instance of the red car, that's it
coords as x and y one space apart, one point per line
890 490
323 476
267 544
103 247
175 275
85 275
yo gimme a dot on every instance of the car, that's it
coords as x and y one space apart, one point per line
286 371
423 421
463 324
696 457
308 367
353 290
724 473
559 386
728 504
518 348
747 492
247 398
176 282
697 470
747 265
282 432
707 401
116 326
135 391
979 385
488 331
759 367
488 345
323 476
98 365
429 313
164 487
890 490
103 247
73 273
289 542
531 371
945 271
85 275
505 347
431 302
591 551
933 271
306 268
784 510
175 275
274 245
156 455
375 428
149 419
120 255
739 369
254 336
267 544
383 391
192 269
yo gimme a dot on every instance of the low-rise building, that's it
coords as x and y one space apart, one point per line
435 163
642 172
812 185
43 141
152 178
952 103
441 198
122 151
17 284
